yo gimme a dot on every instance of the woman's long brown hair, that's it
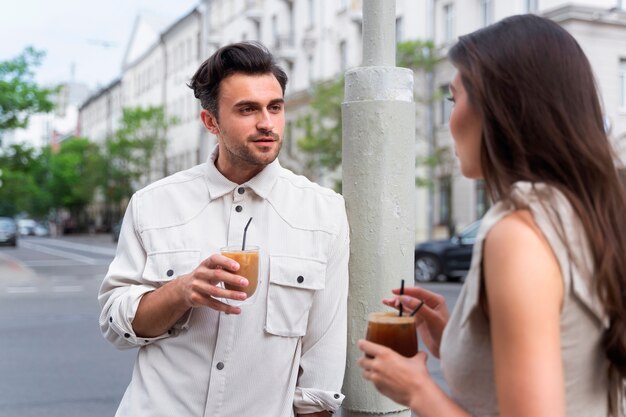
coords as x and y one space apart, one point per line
543 123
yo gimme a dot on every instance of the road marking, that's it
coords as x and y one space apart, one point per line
21 290
50 251
62 262
78 246
68 288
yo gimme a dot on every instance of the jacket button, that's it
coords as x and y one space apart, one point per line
337 396
300 279
238 209
110 319
170 272
220 366
241 190
126 335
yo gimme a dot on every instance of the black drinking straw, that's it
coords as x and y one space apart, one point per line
401 293
245 230
414 312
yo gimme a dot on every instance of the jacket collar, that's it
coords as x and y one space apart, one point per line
261 184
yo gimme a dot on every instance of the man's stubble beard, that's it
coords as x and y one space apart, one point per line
243 153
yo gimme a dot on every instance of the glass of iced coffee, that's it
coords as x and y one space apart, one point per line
248 260
394 331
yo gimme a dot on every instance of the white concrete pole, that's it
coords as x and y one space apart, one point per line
379 188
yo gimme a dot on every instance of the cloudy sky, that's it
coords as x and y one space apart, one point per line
83 38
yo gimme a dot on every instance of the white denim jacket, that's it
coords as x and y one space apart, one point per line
285 353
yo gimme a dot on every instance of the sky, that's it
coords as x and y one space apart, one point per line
84 40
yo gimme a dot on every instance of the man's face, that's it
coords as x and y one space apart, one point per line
250 126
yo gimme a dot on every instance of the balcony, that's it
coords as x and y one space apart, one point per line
254 10
285 47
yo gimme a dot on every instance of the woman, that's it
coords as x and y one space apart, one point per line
540 325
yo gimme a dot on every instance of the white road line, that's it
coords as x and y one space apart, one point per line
78 246
61 262
68 288
21 290
55 252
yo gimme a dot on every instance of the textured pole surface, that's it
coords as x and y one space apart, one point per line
379 187
379 33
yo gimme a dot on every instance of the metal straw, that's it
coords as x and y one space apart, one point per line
245 230
414 312
401 293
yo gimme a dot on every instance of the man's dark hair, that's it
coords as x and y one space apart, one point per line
250 58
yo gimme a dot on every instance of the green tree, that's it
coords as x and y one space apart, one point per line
135 153
417 55
322 129
322 124
23 173
20 96
421 57
75 171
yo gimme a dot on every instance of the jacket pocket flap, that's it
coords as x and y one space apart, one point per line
297 272
165 266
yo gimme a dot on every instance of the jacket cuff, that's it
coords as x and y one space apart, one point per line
311 400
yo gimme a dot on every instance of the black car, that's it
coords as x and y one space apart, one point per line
446 258
8 231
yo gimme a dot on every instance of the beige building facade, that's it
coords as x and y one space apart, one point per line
318 40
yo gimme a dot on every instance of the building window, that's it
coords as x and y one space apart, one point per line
199 45
275 35
622 84
311 13
531 6
446 104
399 30
445 200
343 56
448 22
311 75
486 12
482 199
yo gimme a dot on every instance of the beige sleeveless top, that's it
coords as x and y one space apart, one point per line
466 356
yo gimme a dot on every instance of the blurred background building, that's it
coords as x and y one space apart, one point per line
318 40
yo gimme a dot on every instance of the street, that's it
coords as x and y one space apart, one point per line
53 360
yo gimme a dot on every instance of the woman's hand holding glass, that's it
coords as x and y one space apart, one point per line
431 318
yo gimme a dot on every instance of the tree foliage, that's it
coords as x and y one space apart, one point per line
422 56
417 55
321 141
75 172
134 150
37 182
321 127
22 179
20 96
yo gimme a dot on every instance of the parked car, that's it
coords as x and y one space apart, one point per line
41 230
8 231
446 258
26 227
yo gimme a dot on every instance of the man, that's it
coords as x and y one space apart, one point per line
283 352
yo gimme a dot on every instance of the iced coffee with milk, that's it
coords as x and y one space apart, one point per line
394 331
248 260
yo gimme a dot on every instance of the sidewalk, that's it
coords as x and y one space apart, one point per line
14 272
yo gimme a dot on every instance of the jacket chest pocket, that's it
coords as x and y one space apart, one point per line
166 266
293 282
